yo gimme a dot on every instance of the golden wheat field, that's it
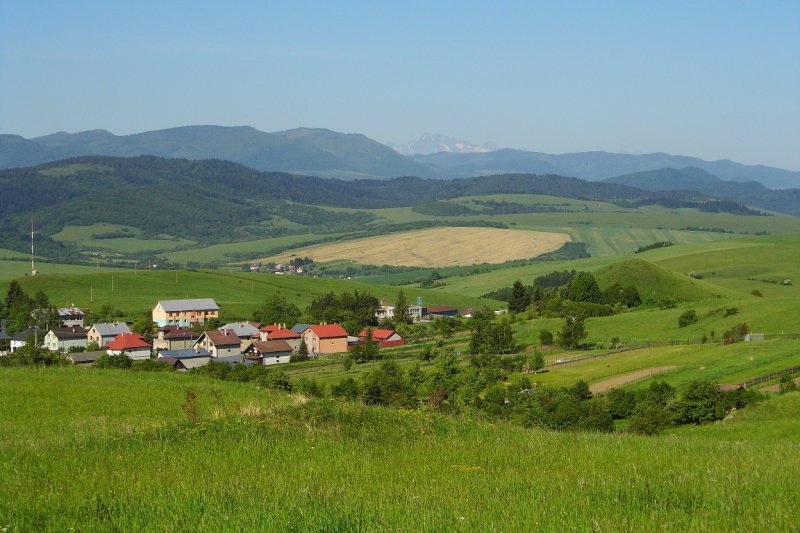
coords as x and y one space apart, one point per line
436 247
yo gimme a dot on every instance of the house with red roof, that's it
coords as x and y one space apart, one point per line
382 337
222 344
131 344
325 338
284 334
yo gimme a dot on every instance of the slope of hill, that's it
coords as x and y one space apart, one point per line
696 179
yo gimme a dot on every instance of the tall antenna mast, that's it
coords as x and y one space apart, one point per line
33 266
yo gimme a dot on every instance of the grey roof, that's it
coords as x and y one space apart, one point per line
243 329
112 328
197 304
4 336
195 362
300 328
188 353
25 333
86 357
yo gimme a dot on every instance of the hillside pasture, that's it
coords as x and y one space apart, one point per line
436 247
237 293
128 459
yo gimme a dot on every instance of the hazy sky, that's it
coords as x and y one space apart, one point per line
709 79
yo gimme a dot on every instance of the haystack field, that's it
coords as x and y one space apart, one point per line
436 247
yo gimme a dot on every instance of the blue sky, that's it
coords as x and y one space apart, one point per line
710 79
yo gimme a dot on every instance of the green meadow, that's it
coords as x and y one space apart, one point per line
103 450
237 293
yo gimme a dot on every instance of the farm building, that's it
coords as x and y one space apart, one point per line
185 312
86 358
325 338
441 310
382 337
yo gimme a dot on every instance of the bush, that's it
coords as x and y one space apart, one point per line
787 384
113 361
650 418
687 318
545 337
756 292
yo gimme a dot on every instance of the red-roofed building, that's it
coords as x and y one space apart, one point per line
383 337
283 334
131 344
325 338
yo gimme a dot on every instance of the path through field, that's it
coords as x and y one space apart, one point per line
630 377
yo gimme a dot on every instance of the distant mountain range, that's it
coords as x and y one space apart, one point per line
326 153
698 180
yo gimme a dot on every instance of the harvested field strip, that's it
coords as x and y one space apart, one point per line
437 247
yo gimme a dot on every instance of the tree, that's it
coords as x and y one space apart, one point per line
401 312
583 288
520 298
145 327
538 361
545 337
276 309
572 333
301 354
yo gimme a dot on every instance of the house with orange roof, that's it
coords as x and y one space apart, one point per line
285 334
131 344
382 337
325 338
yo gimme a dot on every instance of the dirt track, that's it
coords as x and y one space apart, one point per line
630 377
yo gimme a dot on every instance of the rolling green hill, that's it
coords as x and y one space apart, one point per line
656 283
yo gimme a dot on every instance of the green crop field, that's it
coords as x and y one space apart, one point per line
105 450
20 269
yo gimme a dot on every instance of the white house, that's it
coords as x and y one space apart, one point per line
65 339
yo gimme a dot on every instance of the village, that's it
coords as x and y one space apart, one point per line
182 342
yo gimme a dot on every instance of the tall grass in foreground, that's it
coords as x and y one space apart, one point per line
276 462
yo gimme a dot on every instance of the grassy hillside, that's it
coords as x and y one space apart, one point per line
238 294
656 283
129 460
